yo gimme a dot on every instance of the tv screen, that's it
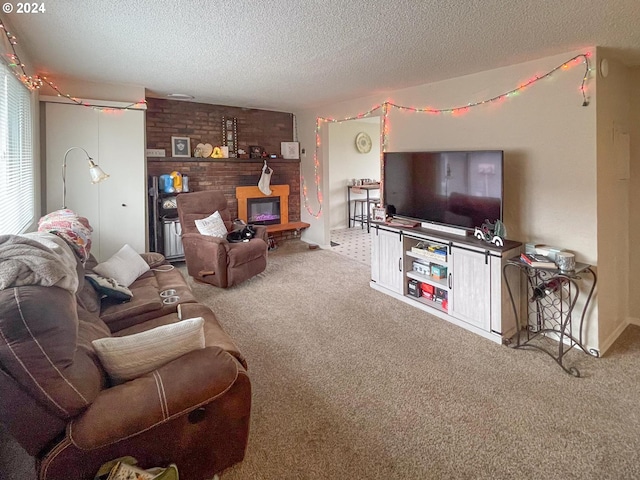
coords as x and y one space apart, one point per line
461 189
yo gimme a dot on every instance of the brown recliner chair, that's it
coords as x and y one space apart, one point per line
215 260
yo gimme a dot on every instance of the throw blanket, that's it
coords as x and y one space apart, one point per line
71 227
27 261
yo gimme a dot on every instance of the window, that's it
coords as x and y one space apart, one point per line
17 164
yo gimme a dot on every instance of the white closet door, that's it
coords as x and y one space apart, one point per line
68 126
123 195
115 140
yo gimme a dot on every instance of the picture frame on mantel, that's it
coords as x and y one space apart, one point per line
230 135
255 151
180 146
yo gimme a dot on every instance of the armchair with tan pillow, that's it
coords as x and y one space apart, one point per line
210 257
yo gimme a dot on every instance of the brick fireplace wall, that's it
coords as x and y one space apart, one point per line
202 123
226 175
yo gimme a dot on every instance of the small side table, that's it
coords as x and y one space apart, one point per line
552 299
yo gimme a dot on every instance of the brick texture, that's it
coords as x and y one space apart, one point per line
202 123
227 175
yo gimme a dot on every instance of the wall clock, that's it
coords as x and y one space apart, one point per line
363 142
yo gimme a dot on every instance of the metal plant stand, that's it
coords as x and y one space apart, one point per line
553 295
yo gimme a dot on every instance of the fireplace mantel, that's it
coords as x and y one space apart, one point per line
282 191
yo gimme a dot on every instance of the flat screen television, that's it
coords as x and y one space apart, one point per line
460 189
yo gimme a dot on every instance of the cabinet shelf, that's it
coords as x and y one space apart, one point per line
439 259
429 303
431 281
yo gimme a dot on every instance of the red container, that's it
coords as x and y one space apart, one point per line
427 290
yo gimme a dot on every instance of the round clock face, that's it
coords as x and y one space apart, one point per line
363 142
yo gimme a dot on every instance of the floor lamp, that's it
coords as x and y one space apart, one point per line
97 175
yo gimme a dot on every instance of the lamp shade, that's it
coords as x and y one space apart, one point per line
97 175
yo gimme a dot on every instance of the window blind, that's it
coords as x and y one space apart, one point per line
17 190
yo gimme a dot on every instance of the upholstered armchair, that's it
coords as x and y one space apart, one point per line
213 259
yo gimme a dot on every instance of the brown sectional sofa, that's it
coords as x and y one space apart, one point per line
58 402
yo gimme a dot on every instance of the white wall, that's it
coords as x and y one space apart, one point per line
634 199
613 135
345 162
548 137
82 89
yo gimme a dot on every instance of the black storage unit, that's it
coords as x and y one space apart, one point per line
164 226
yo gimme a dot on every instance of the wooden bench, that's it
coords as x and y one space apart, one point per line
286 227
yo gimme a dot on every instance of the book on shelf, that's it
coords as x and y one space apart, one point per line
537 261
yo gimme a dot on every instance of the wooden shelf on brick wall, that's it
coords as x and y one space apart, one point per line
232 159
286 227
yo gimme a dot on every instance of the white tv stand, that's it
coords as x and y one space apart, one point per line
476 293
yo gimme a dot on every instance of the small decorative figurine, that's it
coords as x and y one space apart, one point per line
491 232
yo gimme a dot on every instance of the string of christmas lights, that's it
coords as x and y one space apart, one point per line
14 61
36 81
454 111
85 104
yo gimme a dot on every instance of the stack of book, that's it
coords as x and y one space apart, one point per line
536 260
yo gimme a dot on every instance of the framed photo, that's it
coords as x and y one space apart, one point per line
255 151
379 214
289 150
180 147
230 135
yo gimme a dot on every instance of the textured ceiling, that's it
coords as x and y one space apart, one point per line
288 55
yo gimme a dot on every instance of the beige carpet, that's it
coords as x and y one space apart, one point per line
351 384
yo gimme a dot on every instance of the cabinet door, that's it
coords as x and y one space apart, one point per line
390 260
470 279
375 255
116 207
123 196
69 126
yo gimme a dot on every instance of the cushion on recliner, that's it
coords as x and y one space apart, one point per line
38 340
241 253
153 259
145 299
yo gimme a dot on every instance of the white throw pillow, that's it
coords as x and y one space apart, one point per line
124 266
125 358
213 226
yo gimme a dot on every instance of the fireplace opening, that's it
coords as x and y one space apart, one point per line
263 211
